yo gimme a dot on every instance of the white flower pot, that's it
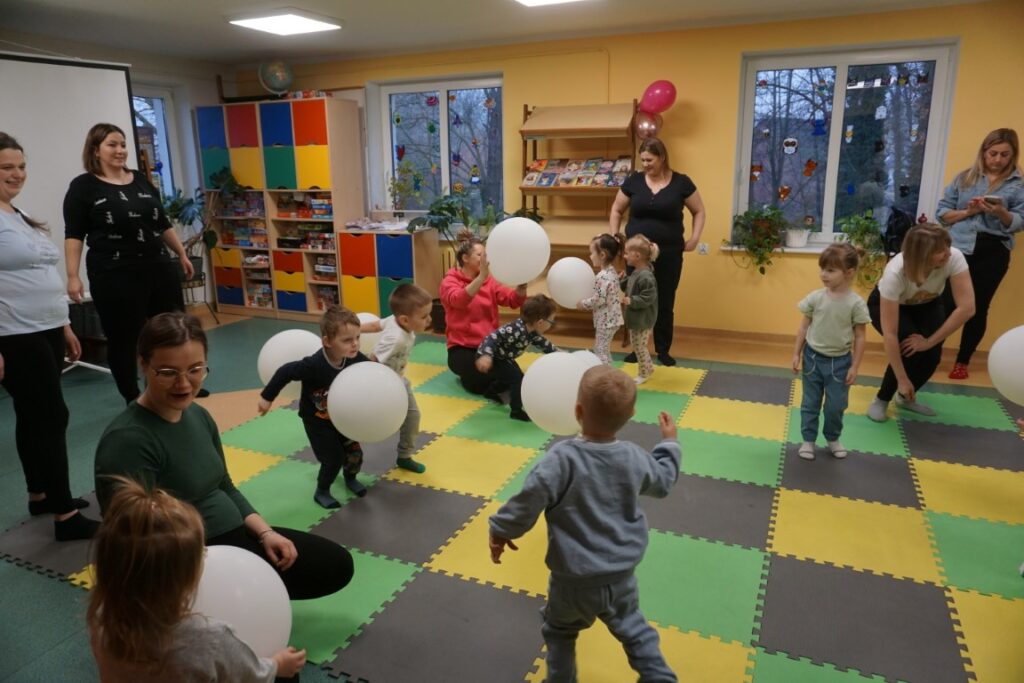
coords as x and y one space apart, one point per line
797 237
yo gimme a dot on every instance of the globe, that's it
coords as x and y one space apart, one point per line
276 76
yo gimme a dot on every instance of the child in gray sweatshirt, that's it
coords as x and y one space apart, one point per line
588 489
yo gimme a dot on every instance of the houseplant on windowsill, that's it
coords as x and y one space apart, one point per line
864 232
759 232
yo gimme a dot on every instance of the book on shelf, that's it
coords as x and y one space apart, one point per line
617 179
601 179
592 164
584 178
547 179
624 164
606 166
567 179
538 165
556 165
574 165
531 178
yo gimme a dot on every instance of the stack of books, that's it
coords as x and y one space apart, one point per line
595 172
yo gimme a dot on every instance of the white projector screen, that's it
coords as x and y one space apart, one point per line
49 105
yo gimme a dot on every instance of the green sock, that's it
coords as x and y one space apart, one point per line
411 465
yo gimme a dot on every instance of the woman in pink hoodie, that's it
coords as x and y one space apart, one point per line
471 297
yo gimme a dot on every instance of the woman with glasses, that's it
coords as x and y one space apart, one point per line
35 335
164 439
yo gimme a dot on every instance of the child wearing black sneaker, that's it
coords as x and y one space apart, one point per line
339 328
498 351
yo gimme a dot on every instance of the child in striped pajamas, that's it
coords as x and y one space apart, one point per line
605 300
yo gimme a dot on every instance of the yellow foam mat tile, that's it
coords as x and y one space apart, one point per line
527 359
884 539
694 658
991 628
231 408
742 418
84 579
245 464
860 397
438 414
672 380
971 491
465 466
418 373
467 555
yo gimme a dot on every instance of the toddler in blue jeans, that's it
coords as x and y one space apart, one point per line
830 342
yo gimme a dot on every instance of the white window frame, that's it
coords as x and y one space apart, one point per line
442 87
945 57
171 126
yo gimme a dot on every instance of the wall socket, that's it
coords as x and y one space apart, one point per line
702 248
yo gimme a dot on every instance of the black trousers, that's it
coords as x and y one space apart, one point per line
462 361
922 319
32 372
988 264
508 374
125 299
334 450
322 567
667 271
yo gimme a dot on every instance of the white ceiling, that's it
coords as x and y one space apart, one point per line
197 29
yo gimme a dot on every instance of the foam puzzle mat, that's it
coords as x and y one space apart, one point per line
899 563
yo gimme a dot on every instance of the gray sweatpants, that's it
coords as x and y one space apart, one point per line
572 608
410 427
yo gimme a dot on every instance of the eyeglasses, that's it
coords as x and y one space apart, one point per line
549 321
194 374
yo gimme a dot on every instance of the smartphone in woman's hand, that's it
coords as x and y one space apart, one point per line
993 199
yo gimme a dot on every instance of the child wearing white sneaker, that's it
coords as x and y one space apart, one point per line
830 342
640 300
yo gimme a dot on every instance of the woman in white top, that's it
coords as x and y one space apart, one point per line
34 336
906 307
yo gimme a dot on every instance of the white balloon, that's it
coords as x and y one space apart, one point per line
1006 365
549 391
244 590
368 340
367 402
588 358
518 250
285 347
569 280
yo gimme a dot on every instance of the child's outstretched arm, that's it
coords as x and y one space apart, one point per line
667 456
801 339
520 512
289 662
497 544
858 353
371 326
263 406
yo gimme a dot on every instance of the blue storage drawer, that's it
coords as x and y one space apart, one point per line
291 301
276 124
230 296
210 126
394 256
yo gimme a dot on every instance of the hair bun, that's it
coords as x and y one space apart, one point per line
464 235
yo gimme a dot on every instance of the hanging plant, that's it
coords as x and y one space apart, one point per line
759 232
865 232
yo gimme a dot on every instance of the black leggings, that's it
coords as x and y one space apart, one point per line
988 264
32 371
462 361
667 271
334 451
125 298
922 319
322 567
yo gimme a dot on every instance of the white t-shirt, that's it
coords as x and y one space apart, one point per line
31 290
896 286
394 345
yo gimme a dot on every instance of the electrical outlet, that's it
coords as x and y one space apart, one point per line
702 248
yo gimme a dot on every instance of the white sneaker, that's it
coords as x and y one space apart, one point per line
806 450
878 409
914 406
838 449
640 380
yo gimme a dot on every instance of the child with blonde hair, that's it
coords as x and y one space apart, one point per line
604 302
830 342
640 300
148 558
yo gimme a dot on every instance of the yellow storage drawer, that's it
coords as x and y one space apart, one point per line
247 166
227 258
312 167
291 282
359 294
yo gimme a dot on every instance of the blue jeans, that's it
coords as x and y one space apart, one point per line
824 377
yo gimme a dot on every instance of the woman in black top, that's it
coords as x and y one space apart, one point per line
120 215
655 198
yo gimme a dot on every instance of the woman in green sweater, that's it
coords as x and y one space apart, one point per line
164 439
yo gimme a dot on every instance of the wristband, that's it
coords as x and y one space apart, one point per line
263 534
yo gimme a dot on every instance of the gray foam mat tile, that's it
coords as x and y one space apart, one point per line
442 628
1012 409
876 624
647 436
743 387
398 520
378 457
862 476
32 543
964 445
715 509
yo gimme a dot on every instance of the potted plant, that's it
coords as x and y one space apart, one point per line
404 186
759 232
864 232
797 235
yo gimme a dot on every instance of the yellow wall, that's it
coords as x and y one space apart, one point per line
700 130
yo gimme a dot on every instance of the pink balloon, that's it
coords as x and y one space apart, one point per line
647 125
658 97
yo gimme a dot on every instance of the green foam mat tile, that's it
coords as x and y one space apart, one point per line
279 432
860 433
966 411
650 403
445 384
962 541
778 668
73 654
323 625
728 576
724 456
515 484
283 494
492 423
430 352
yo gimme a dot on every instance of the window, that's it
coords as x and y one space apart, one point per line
152 128
441 137
833 135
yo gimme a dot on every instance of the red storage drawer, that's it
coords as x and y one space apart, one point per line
358 255
288 260
310 120
242 129
227 277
